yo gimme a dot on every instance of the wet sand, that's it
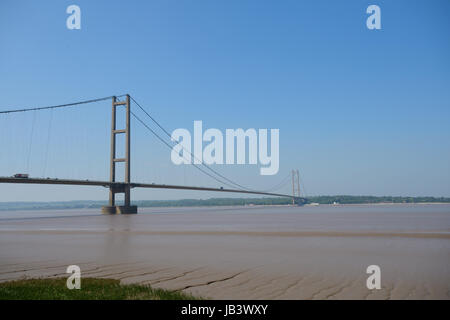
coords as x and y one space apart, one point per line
241 253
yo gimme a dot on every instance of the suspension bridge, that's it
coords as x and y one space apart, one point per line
124 187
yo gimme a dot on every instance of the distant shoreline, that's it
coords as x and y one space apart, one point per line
381 203
227 202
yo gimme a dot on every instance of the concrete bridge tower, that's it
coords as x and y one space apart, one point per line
120 187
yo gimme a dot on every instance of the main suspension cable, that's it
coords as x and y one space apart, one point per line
58 106
170 147
170 136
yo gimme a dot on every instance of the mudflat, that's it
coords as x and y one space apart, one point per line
241 252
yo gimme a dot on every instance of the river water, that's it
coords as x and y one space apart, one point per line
282 251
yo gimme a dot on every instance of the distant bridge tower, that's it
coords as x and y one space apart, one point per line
295 185
120 187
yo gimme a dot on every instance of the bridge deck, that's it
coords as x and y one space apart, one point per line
108 184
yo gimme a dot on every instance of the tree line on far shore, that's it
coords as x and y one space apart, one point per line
343 199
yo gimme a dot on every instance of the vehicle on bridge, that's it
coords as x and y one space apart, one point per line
21 175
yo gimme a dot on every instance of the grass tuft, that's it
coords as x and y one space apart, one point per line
91 289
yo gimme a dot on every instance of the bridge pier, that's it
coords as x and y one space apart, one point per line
112 208
119 209
118 187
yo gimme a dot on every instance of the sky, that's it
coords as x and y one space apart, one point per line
360 112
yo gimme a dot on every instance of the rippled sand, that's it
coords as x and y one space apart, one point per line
241 253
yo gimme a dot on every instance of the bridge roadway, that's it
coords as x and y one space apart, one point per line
108 184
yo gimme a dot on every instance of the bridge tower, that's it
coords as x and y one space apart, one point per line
295 185
120 187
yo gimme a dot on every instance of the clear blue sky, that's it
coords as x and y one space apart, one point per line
359 111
